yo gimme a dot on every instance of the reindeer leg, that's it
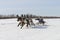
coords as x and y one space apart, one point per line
27 25
19 23
43 22
22 24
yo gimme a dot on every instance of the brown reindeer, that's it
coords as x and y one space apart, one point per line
21 19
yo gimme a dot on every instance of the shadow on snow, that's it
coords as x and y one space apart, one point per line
40 27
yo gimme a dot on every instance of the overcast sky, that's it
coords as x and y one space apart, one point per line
36 7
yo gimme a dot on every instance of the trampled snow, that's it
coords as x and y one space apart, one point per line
10 31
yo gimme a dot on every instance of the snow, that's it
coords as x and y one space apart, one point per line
10 31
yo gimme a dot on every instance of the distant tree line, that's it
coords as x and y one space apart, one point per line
7 16
25 15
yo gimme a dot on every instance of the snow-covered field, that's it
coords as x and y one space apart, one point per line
10 31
